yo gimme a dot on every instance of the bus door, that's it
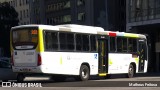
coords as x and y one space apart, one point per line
142 51
103 57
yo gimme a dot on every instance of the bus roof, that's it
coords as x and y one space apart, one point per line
82 29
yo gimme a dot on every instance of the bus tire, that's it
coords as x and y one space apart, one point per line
84 73
20 78
130 71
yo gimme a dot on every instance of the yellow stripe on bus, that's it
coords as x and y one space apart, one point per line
110 61
61 60
102 74
131 35
40 47
137 60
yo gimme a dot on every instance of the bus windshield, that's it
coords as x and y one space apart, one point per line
25 38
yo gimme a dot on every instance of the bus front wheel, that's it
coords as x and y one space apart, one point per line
84 73
130 71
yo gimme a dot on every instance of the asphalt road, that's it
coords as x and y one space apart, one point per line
117 82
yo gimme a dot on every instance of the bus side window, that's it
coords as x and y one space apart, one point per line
66 41
132 45
112 44
93 42
78 42
51 41
121 44
62 40
85 42
70 41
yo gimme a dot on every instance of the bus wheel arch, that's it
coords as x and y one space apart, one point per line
84 72
131 70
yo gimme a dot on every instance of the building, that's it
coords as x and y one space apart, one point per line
29 11
143 16
109 14
22 8
37 11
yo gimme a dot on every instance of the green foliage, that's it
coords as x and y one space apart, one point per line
8 19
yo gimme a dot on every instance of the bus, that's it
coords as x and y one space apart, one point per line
76 50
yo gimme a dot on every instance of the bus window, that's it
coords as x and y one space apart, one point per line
85 42
93 42
112 44
132 45
66 41
78 42
51 41
62 41
121 44
25 36
70 41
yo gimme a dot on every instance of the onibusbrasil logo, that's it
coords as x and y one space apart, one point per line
13 84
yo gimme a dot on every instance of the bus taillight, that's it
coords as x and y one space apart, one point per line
39 60
12 62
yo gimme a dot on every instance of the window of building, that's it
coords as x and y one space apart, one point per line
49 7
151 9
138 10
145 9
20 15
157 8
67 18
27 13
27 1
80 2
20 3
11 3
24 14
15 3
67 4
81 16
23 1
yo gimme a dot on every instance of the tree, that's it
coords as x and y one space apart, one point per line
8 19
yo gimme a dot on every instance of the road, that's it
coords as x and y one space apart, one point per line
116 82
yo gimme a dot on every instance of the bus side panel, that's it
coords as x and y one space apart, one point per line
119 63
68 63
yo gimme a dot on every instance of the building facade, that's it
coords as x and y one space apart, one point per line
109 14
143 16
69 11
29 11
37 11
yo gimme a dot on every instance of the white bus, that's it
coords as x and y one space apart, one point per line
76 50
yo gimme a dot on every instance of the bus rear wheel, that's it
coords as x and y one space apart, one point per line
84 73
130 71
